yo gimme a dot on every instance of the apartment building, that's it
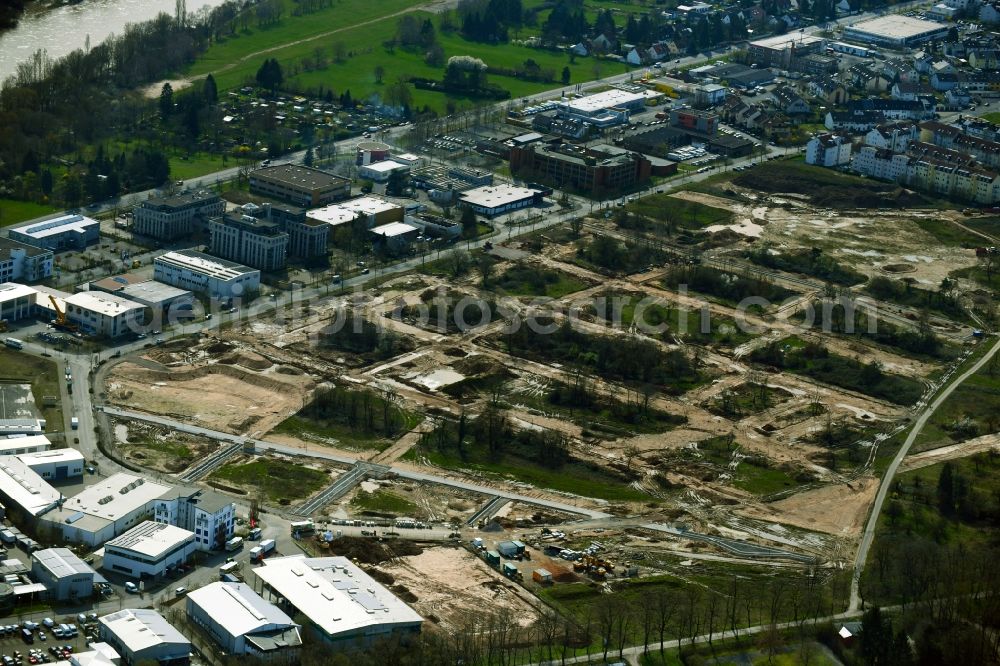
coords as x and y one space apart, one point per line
248 240
170 218
20 262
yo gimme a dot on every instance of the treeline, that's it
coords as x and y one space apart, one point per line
945 300
357 335
620 357
492 436
730 287
489 20
832 315
807 261
360 410
814 360
618 256
10 13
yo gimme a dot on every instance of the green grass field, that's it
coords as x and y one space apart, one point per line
679 212
233 62
383 501
280 480
13 212
525 280
183 167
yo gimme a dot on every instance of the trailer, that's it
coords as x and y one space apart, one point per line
229 568
268 546
256 554
302 528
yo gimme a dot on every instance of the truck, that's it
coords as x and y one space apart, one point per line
228 568
302 528
13 343
268 546
254 534
74 423
256 554
236 543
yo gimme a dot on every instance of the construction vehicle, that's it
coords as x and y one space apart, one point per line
60 321
593 566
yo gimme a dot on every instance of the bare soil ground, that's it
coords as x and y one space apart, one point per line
945 453
160 449
838 509
452 585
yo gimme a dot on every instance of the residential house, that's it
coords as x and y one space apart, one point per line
851 121
958 98
829 90
944 81
789 101
829 150
894 137
867 78
953 138
910 91
922 61
899 69
990 12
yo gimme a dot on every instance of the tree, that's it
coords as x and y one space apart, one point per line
946 489
566 75
270 76
210 91
307 159
166 101
469 222
379 74
485 266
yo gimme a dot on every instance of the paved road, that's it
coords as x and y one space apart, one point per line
869 533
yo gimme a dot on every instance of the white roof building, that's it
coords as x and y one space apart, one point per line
55 464
374 209
895 30
495 199
609 99
104 314
16 300
343 602
140 634
22 486
107 508
149 549
394 229
15 444
241 620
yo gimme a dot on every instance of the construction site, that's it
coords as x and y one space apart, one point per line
501 398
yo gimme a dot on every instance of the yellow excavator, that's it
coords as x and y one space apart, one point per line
60 321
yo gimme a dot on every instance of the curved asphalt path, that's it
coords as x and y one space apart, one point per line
869 533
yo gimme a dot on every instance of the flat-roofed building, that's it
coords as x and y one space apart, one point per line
12 445
143 636
299 185
380 172
24 491
104 314
373 211
782 50
170 218
594 170
148 550
307 238
498 199
160 298
895 30
396 236
345 606
243 623
21 262
63 574
250 241
605 109
55 464
66 232
17 301
115 283
205 274
106 509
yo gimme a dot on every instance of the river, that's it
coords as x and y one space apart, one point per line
64 29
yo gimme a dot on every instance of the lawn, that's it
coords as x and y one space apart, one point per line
384 502
44 377
280 481
973 409
946 233
13 212
233 64
183 167
674 213
753 473
527 280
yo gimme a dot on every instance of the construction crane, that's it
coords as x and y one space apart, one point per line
60 320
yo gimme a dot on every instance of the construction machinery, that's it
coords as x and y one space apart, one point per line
593 566
60 321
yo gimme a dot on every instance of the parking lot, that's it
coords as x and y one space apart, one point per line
45 647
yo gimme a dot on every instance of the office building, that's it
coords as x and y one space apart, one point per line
209 515
21 262
243 623
250 241
17 301
160 299
108 315
143 636
170 218
345 606
895 30
373 211
204 274
64 575
148 550
299 185
106 509
66 232
499 199
594 170
395 236
307 238
782 50
381 172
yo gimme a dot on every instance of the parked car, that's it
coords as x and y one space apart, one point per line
131 587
